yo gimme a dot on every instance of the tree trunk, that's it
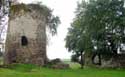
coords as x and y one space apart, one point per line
99 56
82 60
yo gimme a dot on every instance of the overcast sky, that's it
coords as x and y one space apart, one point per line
65 10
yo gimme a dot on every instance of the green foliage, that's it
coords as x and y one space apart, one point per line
75 58
104 22
53 22
98 23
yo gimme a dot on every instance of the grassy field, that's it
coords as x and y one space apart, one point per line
1 60
27 70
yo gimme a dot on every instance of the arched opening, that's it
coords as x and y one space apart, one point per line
24 41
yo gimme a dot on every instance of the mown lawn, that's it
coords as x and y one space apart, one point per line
27 70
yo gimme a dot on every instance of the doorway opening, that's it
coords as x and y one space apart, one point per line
24 41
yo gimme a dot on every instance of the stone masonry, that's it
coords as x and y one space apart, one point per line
26 38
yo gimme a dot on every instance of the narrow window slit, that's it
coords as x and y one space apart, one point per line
24 41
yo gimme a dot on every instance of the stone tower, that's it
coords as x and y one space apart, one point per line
26 37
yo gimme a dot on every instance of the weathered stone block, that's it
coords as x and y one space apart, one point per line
26 38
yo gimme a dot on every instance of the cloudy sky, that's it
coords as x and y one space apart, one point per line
65 10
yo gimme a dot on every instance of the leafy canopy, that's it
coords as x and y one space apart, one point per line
99 26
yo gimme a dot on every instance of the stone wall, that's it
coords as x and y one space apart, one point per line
26 38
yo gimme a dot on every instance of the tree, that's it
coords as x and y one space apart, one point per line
74 43
4 11
53 23
101 22
105 25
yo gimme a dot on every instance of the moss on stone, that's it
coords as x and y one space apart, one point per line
24 8
16 9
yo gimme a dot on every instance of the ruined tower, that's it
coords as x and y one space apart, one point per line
26 36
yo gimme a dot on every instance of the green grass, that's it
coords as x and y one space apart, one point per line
28 70
1 60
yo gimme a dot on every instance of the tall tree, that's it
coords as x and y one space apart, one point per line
75 43
102 24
